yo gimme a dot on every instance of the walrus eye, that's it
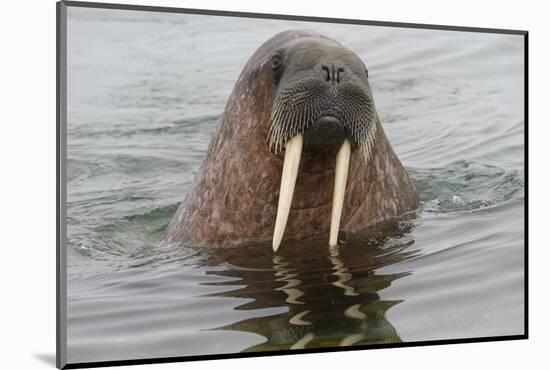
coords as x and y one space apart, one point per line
276 61
367 72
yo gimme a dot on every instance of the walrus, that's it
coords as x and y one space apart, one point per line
301 117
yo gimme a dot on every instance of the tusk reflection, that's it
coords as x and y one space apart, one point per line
297 319
353 312
341 272
285 274
301 344
352 339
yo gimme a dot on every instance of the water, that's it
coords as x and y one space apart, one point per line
145 91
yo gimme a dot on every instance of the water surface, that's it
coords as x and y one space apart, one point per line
145 91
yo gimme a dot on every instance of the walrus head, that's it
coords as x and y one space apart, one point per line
327 99
323 104
300 117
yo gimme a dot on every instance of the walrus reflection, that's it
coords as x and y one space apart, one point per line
329 294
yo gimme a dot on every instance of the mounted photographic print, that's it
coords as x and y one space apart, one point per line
236 184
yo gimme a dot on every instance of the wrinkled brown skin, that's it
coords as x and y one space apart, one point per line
235 193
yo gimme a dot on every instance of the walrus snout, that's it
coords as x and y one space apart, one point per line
325 136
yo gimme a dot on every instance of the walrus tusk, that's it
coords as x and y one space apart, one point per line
288 180
340 177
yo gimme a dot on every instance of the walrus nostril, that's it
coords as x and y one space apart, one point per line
340 70
332 73
327 71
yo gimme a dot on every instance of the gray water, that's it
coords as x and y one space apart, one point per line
145 91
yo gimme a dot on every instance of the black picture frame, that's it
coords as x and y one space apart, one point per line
61 185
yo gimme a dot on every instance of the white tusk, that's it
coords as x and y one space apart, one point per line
288 180
340 177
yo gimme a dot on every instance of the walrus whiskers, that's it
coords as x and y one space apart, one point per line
297 107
